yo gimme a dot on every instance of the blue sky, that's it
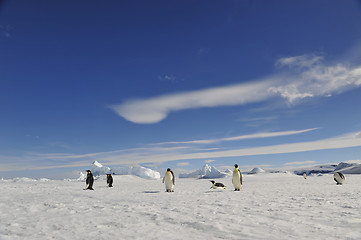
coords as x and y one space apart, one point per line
178 84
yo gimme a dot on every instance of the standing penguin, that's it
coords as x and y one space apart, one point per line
89 180
339 178
237 178
109 180
169 181
304 175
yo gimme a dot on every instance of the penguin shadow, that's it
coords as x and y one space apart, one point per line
149 191
101 187
216 191
221 190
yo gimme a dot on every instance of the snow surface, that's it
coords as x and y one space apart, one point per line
269 206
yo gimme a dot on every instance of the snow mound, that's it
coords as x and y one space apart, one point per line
23 179
206 171
256 170
99 169
44 180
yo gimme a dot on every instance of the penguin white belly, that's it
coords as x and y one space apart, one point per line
168 180
339 178
236 180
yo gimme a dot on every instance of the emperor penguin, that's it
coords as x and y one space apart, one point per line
89 180
109 180
339 178
169 181
237 178
217 185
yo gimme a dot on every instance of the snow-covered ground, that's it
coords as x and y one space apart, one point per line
270 206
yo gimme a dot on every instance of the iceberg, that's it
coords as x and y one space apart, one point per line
99 169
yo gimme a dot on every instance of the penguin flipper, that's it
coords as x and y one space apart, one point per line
173 177
240 176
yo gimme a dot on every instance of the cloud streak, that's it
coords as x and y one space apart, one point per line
145 111
299 163
242 137
298 78
165 154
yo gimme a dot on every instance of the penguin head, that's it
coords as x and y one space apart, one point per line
213 182
235 165
88 171
168 170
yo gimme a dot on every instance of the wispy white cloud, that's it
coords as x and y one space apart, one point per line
209 161
167 77
242 137
165 154
300 163
316 79
247 167
5 31
183 164
257 119
203 51
300 77
153 110
303 61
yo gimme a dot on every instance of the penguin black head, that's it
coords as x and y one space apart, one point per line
168 170
213 182
235 165
88 171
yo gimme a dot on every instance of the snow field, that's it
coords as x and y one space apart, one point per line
269 206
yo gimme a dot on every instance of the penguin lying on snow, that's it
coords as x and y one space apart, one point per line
339 178
217 185
169 181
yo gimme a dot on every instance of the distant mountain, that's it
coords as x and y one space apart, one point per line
351 167
207 171
348 168
99 169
